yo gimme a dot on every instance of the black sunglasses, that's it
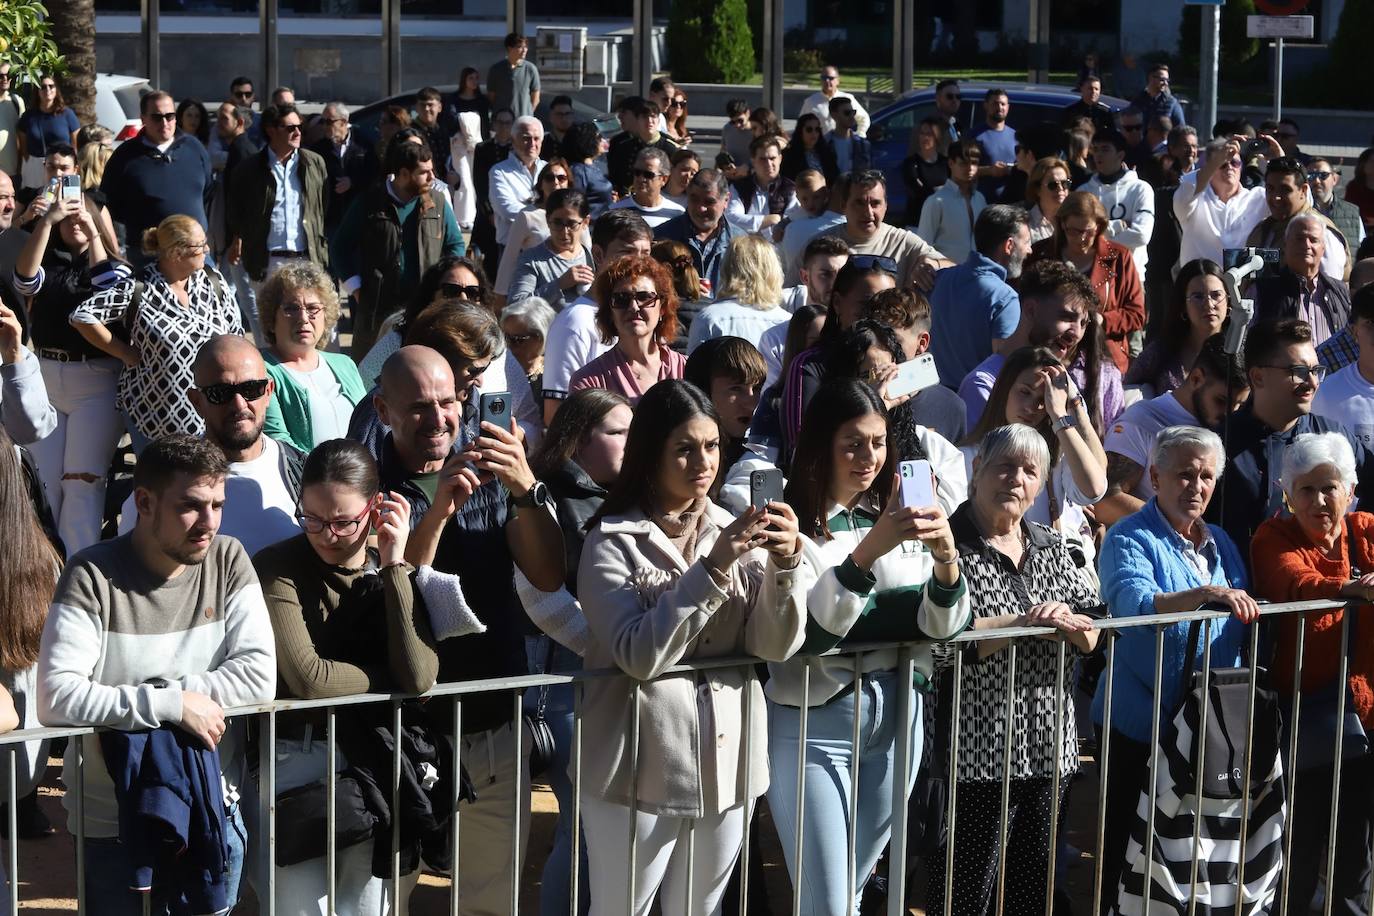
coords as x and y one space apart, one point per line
633 298
459 291
162 115
872 261
224 392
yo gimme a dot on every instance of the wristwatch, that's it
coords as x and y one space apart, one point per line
537 495
1068 421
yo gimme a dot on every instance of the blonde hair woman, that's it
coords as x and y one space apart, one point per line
169 309
314 392
750 295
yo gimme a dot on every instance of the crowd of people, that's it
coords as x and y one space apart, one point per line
481 397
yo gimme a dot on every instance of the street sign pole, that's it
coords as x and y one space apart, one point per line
1278 77
1278 28
1211 33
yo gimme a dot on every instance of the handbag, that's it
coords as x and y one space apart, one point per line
542 745
1317 720
302 825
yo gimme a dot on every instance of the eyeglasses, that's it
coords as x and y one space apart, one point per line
829 78
677 103
4 76
290 128
472 371
1234 163
1081 230
190 251
1320 176
1059 185
224 392
341 528
633 298
646 174
1305 375
565 224
1212 295
162 116
459 291
873 262
294 311
243 93
519 340
48 87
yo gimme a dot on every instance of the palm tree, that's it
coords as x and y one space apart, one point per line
73 28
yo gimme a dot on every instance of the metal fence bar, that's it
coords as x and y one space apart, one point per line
12 828
1061 661
750 678
518 727
1291 764
896 874
457 801
79 758
953 777
573 908
852 834
634 789
331 851
1003 825
691 861
1201 745
396 728
269 798
1337 756
1155 715
1103 773
804 714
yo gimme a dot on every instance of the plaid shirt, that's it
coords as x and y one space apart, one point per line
1339 350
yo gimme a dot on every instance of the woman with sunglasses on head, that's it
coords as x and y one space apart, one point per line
531 226
59 267
1046 190
637 314
667 576
315 391
1080 240
809 151
174 304
48 123
560 268
348 618
1197 310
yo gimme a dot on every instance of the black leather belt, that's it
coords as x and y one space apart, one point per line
62 356
287 254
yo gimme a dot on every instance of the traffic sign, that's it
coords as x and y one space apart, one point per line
1282 7
1279 26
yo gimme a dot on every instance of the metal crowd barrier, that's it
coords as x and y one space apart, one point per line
267 713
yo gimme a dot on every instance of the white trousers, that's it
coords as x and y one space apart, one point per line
88 430
661 859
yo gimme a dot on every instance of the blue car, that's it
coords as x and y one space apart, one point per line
891 130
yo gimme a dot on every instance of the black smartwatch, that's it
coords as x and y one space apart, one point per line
537 495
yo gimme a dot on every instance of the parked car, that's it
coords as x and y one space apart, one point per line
890 130
369 116
117 103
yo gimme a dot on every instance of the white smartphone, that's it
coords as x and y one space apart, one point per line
918 484
912 376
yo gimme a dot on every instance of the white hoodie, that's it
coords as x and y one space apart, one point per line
1130 205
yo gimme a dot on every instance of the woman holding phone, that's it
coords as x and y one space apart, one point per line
888 572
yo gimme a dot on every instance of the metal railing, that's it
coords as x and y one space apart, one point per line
1111 629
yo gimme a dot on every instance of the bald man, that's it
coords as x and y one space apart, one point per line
476 512
264 483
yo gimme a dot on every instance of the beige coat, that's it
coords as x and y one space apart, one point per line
648 611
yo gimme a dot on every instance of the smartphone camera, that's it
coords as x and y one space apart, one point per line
496 406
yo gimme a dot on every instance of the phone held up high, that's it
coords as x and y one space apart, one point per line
70 188
913 376
494 408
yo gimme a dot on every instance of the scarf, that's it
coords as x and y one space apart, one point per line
682 529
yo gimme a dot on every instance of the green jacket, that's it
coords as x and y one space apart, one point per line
288 416
250 208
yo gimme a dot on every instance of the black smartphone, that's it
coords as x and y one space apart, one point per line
494 408
765 487
1253 148
724 161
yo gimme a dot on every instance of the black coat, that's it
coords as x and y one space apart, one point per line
1281 297
358 164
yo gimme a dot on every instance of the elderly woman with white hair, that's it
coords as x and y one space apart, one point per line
1019 573
1324 551
1163 559
525 325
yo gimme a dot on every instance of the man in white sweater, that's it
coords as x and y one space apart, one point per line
1128 199
163 626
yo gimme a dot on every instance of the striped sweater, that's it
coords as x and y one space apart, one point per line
120 646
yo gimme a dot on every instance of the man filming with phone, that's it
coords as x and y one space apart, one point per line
1214 211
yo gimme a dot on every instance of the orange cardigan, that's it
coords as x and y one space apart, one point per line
1116 281
1288 568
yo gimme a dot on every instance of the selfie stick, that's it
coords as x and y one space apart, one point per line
1242 313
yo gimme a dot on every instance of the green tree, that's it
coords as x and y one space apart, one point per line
26 40
709 41
1348 67
1237 50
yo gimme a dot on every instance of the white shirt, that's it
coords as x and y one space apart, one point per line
1209 225
573 341
748 215
1133 434
730 318
945 220
1347 396
329 409
512 188
258 509
655 216
818 104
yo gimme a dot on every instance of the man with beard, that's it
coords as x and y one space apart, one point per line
998 140
477 512
1215 386
163 626
263 481
1060 312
